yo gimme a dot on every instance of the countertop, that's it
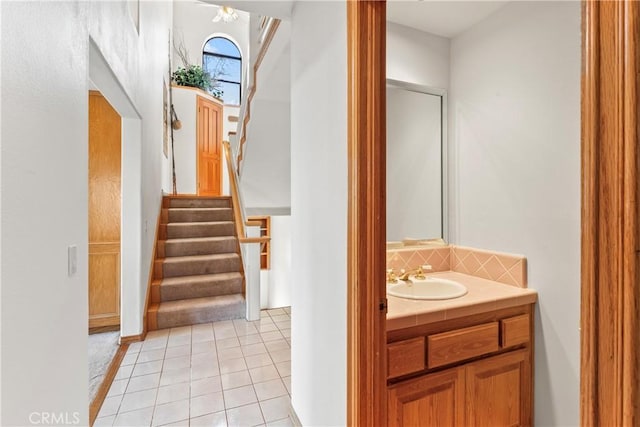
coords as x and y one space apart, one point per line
482 296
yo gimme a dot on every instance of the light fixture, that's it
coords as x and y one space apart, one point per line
225 14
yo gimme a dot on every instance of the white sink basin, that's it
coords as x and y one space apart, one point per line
431 288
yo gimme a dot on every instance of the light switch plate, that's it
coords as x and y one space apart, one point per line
72 256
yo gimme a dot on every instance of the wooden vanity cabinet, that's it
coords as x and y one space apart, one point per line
476 371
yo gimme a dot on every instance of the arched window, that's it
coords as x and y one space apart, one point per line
222 60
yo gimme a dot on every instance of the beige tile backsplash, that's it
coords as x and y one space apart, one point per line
498 267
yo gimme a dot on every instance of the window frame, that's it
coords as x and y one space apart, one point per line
205 54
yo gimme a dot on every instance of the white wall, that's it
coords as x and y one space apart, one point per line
417 57
318 212
275 283
192 24
44 177
515 134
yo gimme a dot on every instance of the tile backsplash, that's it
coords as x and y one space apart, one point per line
499 267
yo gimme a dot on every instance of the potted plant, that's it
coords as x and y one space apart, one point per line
194 75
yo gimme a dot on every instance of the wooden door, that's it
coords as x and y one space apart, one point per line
209 125
434 400
499 391
105 132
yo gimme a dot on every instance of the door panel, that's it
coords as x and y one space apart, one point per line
209 144
105 132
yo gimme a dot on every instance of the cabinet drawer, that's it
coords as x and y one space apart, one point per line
515 330
461 344
405 357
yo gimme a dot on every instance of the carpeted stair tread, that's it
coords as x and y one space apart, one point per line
200 246
184 287
200 264
200 214
200 310
200 202
178 230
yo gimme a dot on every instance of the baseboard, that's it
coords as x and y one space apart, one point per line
133 338
294 417
96 404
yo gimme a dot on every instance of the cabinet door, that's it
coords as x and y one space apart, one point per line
431 400
499 391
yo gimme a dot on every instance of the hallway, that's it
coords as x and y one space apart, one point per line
228 373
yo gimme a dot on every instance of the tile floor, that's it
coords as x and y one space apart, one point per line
229 373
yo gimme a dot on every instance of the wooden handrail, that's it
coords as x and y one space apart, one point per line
271 32
262 239
235 194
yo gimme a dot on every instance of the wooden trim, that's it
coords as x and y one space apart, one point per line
610 323
252 90
366 238
132 338
255 239
160 234
96 404
235 197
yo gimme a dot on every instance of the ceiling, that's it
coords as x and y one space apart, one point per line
443 18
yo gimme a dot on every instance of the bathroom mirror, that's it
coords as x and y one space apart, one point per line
416 164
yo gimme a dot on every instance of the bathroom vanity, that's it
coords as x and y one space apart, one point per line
465 361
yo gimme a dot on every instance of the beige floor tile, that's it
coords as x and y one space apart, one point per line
129 359
138 418
203 347
202 358
280 355
175 376
281 318
285 422
227 343
258 360
118 387
232 365
176 363
229 353
138 400
154 344
110 406
204 370
135 347
276 312
205 386
264 373
179 351
104 421
170 412
253 349
172 393
286 333
249 415
148 356
219 419
179 340
254 338
270 389
181 423
279 344
287 383
235 379
225 333
124 372
180 330
267 327
147 368
206 404
284 368
202 336
283 324
275 409
239 396
247 329
272 335
144 382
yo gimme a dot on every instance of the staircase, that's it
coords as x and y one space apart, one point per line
197 274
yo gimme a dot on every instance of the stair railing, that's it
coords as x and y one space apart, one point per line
249 239
266 35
